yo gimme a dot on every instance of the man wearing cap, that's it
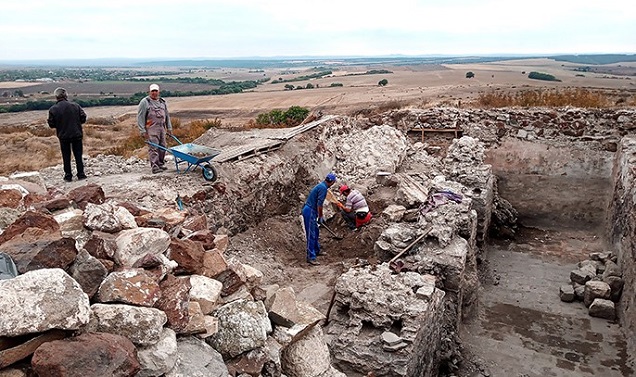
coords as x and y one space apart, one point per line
67 118
312 216
153 121
355 211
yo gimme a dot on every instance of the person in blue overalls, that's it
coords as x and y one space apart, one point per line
312 216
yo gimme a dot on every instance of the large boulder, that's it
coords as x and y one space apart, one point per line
133 244
307 356
143 326
36 249
42 300
87 355
132 286
197 359
243 326
159 358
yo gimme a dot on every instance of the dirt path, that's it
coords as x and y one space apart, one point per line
523 329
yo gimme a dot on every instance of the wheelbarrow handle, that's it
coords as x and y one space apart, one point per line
157 146
174 137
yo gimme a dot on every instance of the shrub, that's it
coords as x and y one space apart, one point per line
280 119
470 75
383 82
542 76
333 84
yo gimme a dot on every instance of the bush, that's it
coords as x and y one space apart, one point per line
542 76
279 119
470 75
383 82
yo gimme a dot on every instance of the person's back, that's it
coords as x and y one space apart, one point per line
357 202
67 118
317 196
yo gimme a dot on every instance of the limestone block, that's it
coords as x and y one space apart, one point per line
143 326
159 358
41 300
594 290
602 308
243 326
133 244
206 292
195 358
566 293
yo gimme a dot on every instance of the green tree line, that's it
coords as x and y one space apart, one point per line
226 88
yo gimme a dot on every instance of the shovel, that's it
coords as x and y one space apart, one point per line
330 231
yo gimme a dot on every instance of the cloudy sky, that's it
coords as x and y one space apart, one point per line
72 29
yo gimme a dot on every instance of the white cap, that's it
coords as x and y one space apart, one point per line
153 87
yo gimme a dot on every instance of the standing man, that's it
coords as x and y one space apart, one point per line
153 121
67 119
312 216
355 211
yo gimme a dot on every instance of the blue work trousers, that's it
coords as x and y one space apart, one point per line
312 232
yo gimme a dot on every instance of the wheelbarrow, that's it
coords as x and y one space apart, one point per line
194 156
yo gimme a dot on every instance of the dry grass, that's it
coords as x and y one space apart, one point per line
576 97
134 143
30 148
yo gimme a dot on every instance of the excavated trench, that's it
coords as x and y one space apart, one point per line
563 195
494 308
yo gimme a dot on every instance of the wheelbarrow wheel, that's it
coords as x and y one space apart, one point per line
209 173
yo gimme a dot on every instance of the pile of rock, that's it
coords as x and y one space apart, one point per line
109 288
598 283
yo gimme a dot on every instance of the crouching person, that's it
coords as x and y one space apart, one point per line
355 211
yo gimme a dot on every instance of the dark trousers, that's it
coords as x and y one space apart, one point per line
350 218
74 145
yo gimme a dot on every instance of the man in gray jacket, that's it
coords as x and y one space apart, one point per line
153 121
67 119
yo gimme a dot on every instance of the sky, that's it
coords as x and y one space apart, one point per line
191 29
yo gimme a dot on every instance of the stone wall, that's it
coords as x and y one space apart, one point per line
622 233
574 181
568 152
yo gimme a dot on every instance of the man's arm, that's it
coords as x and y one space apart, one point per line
51 119
322 194
142 109
168 122
82 115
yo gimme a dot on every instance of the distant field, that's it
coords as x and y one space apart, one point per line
408 86
411 85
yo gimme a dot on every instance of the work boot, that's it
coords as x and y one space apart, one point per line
313 262
68 178
321 254
156 169
163 167
81 177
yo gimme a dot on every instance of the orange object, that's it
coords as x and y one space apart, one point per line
362 221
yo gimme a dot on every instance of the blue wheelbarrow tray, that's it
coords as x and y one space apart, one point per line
194 155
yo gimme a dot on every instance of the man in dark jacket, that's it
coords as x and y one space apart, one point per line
67 118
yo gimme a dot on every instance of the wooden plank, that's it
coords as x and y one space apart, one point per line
265 141
242 152
455 131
